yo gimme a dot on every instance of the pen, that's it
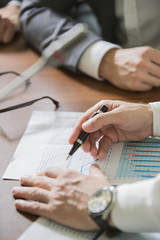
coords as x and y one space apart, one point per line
83 135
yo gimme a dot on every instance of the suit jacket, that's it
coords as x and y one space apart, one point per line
43 21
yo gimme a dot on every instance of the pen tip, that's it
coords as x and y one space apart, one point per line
68 157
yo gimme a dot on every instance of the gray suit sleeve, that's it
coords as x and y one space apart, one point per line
15 1
44 21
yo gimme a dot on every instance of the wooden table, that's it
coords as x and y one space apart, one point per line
75 93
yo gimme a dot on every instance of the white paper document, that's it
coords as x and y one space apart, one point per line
46 229
45 144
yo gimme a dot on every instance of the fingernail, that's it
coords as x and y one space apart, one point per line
19 202
23 178
14 189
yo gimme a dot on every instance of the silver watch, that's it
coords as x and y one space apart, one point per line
100 205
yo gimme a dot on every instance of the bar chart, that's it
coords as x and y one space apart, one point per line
140 159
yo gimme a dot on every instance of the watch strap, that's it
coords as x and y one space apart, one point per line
104 225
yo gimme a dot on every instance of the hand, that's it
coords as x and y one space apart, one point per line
123 122
61 195
134 69
9 23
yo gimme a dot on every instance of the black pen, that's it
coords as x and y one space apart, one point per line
83 135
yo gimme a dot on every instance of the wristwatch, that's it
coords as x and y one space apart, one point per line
100 205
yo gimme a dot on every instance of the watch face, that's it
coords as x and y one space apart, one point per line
99 201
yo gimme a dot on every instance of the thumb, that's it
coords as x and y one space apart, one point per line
95 170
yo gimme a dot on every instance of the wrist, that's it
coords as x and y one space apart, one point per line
107 64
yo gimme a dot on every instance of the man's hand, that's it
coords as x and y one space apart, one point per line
134 69
61 195
9 23
123 122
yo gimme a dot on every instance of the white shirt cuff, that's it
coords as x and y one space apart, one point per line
156 118
15 3
137 207
90 61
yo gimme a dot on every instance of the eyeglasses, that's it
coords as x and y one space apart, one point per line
25 104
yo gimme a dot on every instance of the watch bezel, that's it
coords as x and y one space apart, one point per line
103 214
97 194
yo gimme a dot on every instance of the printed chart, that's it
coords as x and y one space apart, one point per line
140 159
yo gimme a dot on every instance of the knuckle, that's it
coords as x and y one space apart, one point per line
46 171
58 195
60 186
67 173
52 208
36 206
102 102
146 50
142 64
40 181
34 192
56 207
136 77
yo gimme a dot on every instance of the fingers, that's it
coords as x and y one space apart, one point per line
51 172
85 117
106 137
155 69
153 80
154 55
2 28
90 144
99 142
142 86
104 145
102 149
149 79
31 193
78 128
93 141
36 208
95 171
37 181
76 131
151 67
100 120
8 33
